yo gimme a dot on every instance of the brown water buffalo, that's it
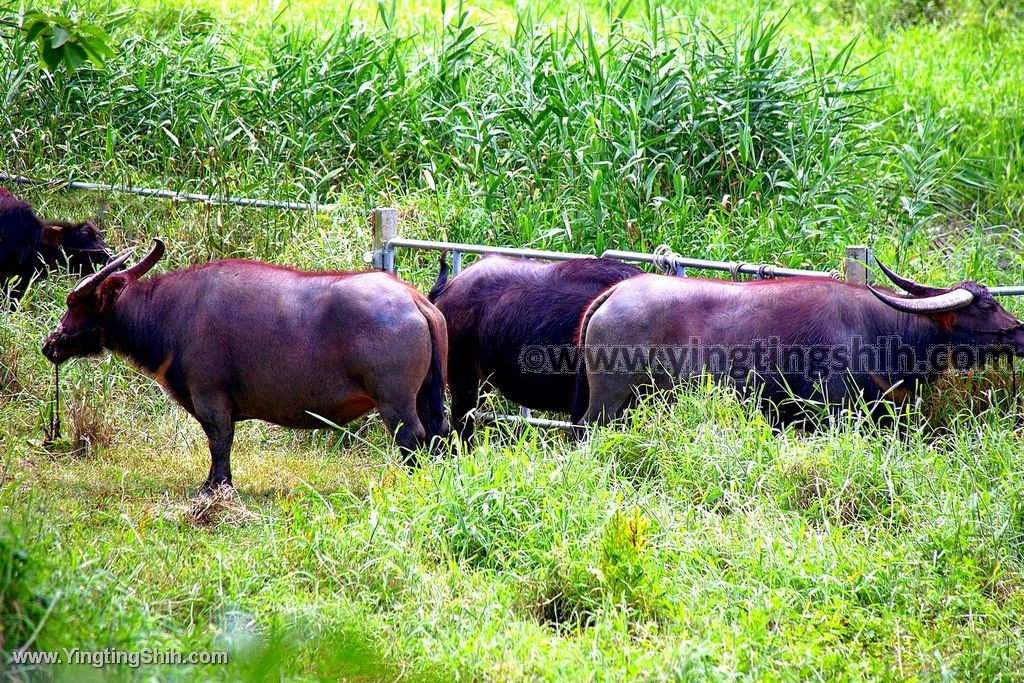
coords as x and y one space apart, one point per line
499 307
237 340
30 247
797 342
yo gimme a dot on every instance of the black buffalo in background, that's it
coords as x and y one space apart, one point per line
30 247
500 308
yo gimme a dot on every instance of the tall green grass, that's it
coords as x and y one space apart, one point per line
24 608
552 133
693 542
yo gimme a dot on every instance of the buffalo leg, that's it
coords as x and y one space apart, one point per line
219 426
402 421
465 387
609 395
424 408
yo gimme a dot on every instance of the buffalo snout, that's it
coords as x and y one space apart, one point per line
51 346
84 247
1016 339
88 261
61 346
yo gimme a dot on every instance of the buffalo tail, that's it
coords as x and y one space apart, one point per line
581 388
442 278
430 398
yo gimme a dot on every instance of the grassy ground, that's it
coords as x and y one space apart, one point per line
690 543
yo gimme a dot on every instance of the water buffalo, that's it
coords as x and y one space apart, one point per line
497 308
30 247
237 340
797 341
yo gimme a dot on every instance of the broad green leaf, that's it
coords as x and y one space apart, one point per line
74 55
95 50
35 28
92 30
51 57
59 37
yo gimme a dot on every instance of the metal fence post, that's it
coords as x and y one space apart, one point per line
858 264
385 229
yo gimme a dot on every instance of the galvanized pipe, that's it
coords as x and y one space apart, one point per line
702 264
535 421
389 251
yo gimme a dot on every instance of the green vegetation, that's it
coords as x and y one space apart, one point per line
693 542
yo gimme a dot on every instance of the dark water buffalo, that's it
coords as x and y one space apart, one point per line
500 306
30 247
238 340
797 341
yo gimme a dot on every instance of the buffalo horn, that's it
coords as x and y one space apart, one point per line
907 284
143 266
940 303
89 284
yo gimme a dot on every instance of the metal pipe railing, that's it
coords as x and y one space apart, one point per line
669 261
530 420
676 261
463 248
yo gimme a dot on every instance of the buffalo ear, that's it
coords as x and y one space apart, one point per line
944 320
109 291
52 234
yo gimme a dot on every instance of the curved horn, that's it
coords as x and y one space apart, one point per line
89 284
143 266
940 303
907 284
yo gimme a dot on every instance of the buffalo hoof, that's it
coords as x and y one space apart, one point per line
214 489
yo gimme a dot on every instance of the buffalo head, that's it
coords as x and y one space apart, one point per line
968 311
81 329
82 245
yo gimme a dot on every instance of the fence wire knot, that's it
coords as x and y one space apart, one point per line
734 270
666 260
